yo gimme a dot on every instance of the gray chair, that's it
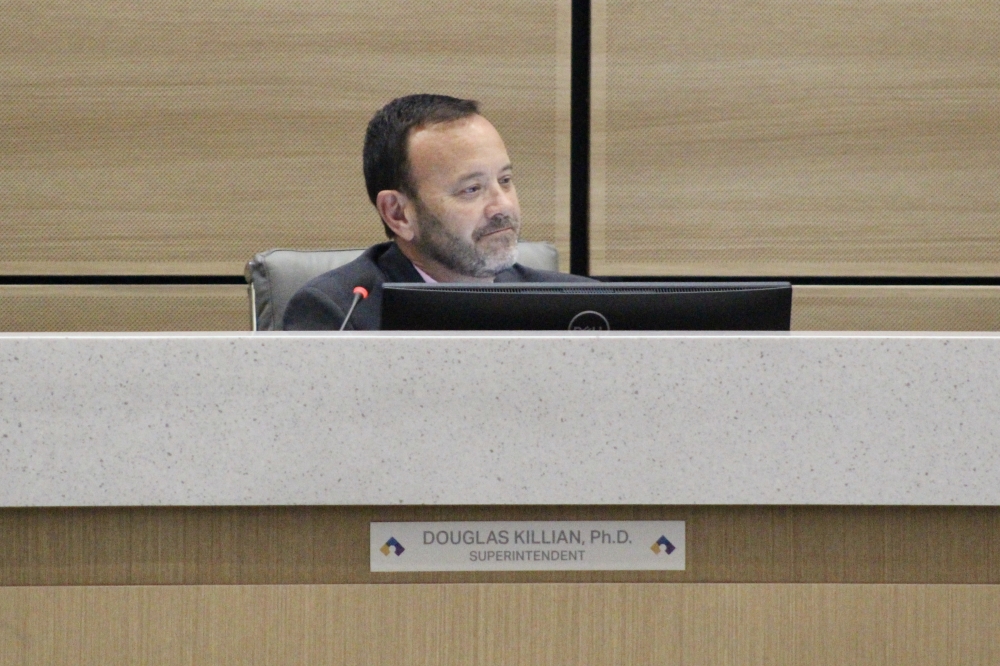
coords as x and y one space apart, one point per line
274 276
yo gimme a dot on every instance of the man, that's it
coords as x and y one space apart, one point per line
439 175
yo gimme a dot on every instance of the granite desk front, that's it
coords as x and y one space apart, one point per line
612 419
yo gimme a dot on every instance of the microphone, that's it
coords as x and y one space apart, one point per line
360 293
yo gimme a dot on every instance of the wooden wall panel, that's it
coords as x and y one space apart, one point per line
303 545
56 308
854 137
853 308
180 137
544 625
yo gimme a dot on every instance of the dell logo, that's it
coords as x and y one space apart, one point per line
588 320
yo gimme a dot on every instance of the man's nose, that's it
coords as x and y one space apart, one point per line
501 200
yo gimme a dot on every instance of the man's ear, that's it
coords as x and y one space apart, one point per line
393 206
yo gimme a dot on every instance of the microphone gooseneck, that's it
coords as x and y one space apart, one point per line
360 293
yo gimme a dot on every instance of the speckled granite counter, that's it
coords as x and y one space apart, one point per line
244 419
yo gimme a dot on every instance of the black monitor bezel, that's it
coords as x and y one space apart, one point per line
712 295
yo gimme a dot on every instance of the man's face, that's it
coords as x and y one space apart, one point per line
466 208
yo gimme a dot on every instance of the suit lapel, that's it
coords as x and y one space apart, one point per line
396 267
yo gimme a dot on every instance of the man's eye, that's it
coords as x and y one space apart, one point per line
472 189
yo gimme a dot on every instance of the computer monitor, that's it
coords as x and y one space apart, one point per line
588 306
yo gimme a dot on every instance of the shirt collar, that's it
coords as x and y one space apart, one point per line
427 278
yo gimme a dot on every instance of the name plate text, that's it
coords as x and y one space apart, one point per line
559 545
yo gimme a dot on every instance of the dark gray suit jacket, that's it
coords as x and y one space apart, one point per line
323 302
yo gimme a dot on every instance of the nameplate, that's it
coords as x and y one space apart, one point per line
555 545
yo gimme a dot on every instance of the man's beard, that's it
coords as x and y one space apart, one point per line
462 256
